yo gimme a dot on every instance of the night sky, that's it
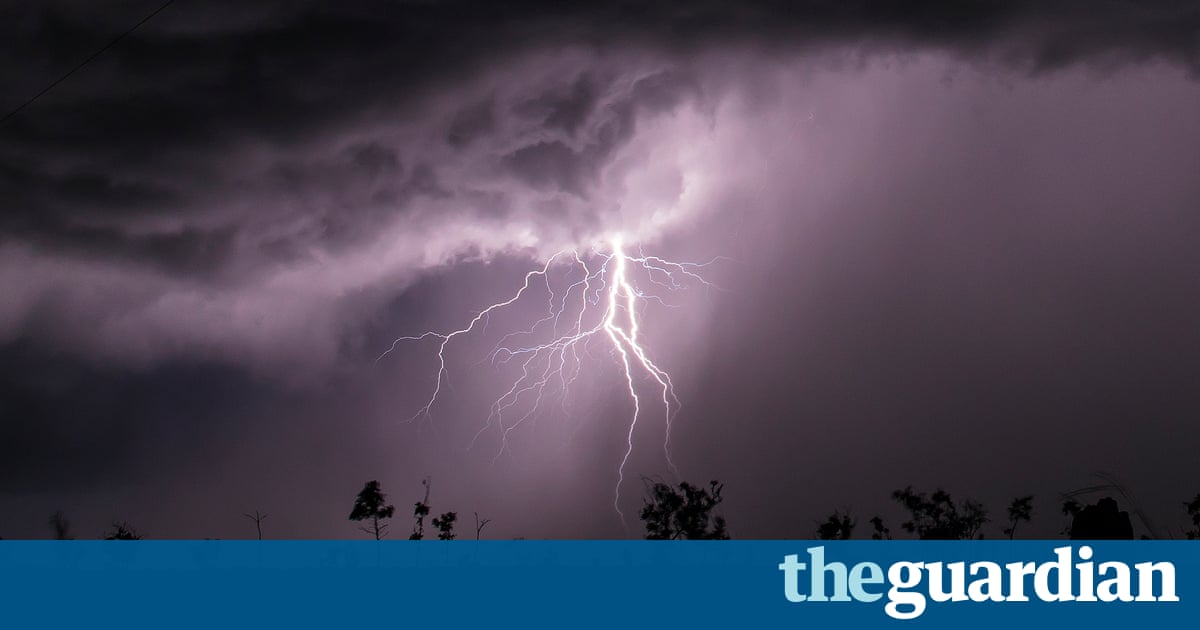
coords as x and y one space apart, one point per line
955 243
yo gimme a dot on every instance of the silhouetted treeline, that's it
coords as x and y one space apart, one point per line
691 512
937 516
371 506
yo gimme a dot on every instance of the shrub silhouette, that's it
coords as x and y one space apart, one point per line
1103 520
420 511
686 513
838 526
1193 509
879 532
122 531
445 525
937 517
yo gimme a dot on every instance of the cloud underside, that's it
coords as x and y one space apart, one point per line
229 181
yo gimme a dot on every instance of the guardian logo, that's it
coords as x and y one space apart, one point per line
1071 577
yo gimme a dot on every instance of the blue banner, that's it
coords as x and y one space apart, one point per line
571 584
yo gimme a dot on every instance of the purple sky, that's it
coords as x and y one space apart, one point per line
962 241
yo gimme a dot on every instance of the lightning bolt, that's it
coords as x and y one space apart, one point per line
601 300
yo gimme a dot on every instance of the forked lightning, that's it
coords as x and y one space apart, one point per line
601 300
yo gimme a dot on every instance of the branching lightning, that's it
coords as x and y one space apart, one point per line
601 301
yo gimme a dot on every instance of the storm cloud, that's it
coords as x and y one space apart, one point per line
224 163
237 207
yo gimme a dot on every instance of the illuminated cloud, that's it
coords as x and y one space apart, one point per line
247 184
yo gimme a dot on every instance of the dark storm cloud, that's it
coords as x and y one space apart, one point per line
280 187
204 78
558 165
143 135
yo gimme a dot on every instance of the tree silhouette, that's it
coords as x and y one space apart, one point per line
1193 509
671 514
1021 509
122 531
445 525
60 526
937 517
371 504
420 511
258 519
838 526
480 524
